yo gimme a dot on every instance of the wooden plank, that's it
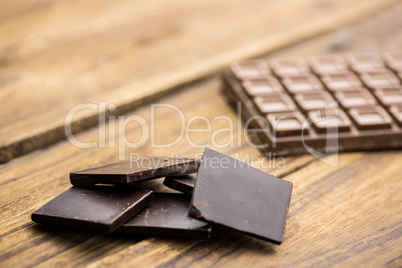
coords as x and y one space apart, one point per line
56 55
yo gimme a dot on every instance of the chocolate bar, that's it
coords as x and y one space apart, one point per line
231 193
328 103
96 209
167 215
128 172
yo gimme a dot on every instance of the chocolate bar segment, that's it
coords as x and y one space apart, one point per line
289 67
363 63
370 117
251 69
127 172
355 97
394 60
364 92
274 103
231 193
382 78
344 81
287 124
167 215
96 209
259 86
302 83
313 100
328 64
389 95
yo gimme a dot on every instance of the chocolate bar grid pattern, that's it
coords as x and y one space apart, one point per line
288 91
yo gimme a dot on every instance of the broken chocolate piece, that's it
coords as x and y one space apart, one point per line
135 171
184 184
97 209
274 103
167 215
234 194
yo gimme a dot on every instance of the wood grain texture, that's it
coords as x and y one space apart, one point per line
346 216
54 55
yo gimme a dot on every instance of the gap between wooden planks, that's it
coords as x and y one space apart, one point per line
45 72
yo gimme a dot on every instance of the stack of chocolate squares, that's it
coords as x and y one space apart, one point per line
218 190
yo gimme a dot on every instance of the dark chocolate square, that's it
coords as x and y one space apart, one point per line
167 215
231 193
97 209
127 172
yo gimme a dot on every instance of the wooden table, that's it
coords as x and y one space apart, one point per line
55 55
